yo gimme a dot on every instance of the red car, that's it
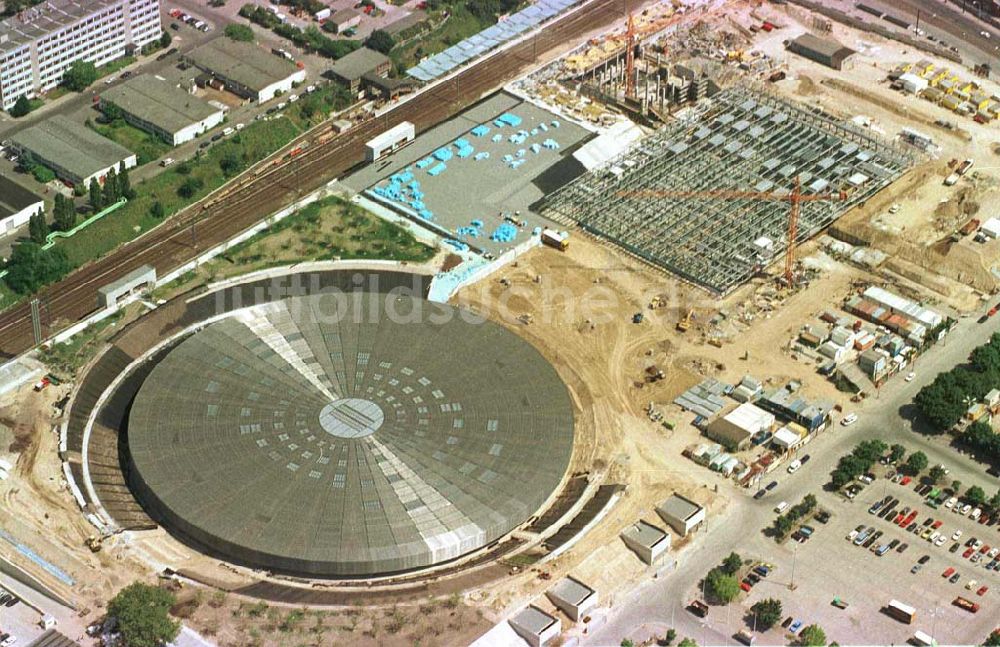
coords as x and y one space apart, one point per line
906 480
745 586
982 590
937 524
948 572
175 13
985 549
968 552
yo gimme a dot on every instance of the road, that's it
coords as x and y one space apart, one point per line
659 604
243 204
949 23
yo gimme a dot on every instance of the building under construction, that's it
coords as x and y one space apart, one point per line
708 197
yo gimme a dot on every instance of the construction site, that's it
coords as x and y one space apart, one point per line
676 271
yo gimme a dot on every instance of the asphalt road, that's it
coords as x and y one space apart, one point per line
659 604
273 185
946 21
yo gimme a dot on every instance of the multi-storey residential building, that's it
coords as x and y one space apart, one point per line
38 44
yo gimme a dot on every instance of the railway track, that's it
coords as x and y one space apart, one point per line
237 207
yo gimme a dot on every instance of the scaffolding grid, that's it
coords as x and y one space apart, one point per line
744 139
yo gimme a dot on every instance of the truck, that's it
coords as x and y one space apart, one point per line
968 605
964 167
555 239
744 637
951 180
698 608
900 611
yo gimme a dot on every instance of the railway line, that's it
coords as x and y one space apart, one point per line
239 206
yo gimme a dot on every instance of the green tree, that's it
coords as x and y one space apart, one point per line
143 615
42 173
111 111
722 587
916 463
38 228
230 163
110 187
96 196
896 453
687 642
731 564
936 474
64 213
156 210
124 183
189 187
956 486
670 636
30 267
766 613
994 502
627 642
79 75
21 107
165 40
811 636
380 41
975 495
993 640
241 33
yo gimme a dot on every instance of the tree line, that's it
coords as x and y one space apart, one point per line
945 400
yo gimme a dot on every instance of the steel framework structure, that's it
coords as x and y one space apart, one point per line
744 139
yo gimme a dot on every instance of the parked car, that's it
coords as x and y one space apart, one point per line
760 494
849 419
781 507
956 535
902 547
954 578
924 559
948 572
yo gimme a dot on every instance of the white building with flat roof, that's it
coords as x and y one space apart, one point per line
38 44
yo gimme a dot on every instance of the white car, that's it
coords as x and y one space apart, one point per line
993 553
849 419
975 514
978 544
966 509
957 535
910 376
950 502
794 466
940 540
971 585
851 535
781 507
934 537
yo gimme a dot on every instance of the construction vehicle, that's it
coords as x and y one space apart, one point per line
556 239
795 198
684 324
637 318
654 374
657 302
94 543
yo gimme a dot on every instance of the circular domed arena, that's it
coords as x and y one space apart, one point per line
306 437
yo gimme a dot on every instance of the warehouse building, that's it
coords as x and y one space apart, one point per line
535 626
162 109
351 71
17 205
681 514
739 426
39 44
646 540
76 154
822 50
343 20
245 69
573 597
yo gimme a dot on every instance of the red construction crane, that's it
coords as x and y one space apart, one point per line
630 56
795 199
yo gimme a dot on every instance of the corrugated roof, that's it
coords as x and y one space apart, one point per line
244 63
76 148
358 63
35 22
14 197
164 105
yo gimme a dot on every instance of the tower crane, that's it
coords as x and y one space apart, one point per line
795 198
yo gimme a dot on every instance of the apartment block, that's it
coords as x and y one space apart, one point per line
39 44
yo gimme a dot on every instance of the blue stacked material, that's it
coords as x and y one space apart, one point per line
480 130
417 204
508 159
443 154
417 195
534 131
520 152
497 138
537 231
460 246
465 152
414 185
424 163
535 148
550 144
468 231
542 127
516 163
485 155
555 123
461 143
507 119
477 223
505 233
438 169
426 214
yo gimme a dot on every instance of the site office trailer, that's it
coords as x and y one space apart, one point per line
390 141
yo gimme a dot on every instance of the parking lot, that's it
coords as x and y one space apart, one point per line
829 565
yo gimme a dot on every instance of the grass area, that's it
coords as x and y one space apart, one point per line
255 142
67 358
147 147
328 229
7 297
114 66
460 25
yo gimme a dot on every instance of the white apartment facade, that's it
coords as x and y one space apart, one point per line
40 43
